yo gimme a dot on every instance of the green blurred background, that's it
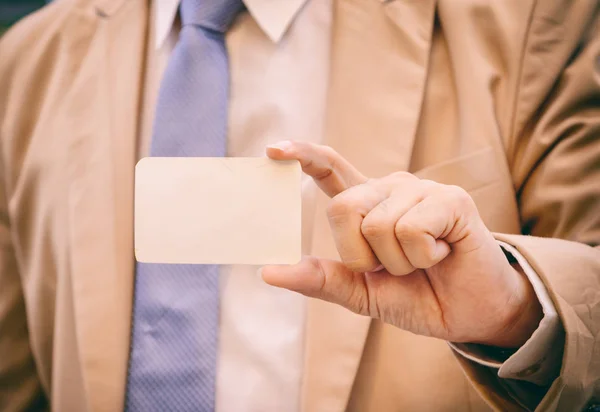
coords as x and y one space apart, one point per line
13 10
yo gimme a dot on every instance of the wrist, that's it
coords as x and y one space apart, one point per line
521 318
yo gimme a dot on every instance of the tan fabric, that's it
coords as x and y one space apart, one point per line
497 98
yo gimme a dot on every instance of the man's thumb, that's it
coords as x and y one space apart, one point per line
324 279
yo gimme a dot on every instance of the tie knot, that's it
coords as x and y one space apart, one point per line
214 15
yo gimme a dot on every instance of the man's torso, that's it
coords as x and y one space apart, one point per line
395 74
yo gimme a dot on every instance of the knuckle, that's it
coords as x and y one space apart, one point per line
430 185
361 263
339 207
358 300
458 191
308 146
373 227
331 156
400 175
372 181
314 266
425 259
400 269
406 231
329 151
400 181
460 197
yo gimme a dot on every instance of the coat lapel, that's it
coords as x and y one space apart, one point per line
103 121
379 59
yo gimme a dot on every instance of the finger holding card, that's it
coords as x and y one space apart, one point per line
414 253
332 173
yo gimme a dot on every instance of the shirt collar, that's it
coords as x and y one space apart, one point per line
273 16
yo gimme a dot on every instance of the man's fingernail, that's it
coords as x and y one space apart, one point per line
283 146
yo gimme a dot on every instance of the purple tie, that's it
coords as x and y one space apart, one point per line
173 356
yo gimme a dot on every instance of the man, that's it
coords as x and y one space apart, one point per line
446 133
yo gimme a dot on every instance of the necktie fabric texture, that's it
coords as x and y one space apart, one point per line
174 338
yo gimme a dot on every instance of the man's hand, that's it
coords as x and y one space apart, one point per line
414 253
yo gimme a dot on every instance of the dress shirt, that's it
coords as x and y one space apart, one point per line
279 54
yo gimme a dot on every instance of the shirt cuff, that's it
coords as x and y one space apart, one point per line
539 359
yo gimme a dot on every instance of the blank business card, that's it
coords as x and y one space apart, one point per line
217 211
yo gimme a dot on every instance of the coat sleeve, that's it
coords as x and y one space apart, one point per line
554 157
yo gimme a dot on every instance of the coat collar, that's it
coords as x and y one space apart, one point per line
108 8
102 114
